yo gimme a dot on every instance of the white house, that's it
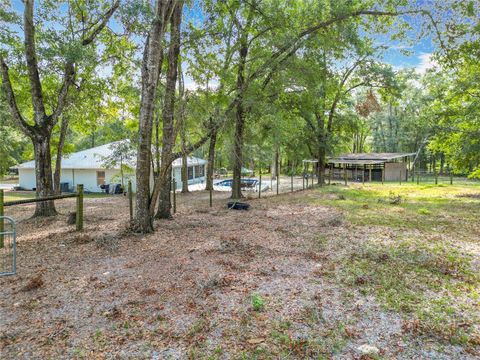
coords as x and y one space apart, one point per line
102 165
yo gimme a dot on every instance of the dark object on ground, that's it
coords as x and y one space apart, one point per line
34 283
105 188
72 218
18 188
118 189
237 205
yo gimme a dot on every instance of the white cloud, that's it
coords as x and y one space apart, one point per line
426 62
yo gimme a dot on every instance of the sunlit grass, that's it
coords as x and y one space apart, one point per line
424 270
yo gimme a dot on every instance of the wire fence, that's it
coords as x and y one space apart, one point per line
8 246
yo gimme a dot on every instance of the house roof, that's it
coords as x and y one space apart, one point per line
100 157
367 158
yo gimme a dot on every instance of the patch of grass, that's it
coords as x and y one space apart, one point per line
421 281
423 211
420 268
258 303
321 344
378 205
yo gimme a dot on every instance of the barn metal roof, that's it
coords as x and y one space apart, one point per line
367 158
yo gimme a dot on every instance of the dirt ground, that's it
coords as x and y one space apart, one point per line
210 283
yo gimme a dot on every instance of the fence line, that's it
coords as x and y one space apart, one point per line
79 205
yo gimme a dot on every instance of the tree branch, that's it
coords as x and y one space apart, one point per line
32 64
89 39
7 85
68 80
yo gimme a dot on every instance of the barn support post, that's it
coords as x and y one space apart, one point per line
345 173
400 177
130 199
383 174
369 173
2 225
79 216
363 175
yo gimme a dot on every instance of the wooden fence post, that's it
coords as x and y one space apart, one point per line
130 199
79 218
2 226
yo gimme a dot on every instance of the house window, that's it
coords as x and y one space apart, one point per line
190 172
100 178
199 171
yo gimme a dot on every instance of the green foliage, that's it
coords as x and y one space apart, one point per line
258 303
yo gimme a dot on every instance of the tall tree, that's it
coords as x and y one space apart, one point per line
151 70
40 129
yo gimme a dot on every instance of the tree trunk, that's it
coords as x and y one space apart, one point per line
239 120
40 133
211 161
151 68
238 152
164 203
442 163
43 175
184 172
58 160
322 146
169 134
275 167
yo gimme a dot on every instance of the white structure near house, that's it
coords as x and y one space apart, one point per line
94 167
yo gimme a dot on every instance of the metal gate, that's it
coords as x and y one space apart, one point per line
8 246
